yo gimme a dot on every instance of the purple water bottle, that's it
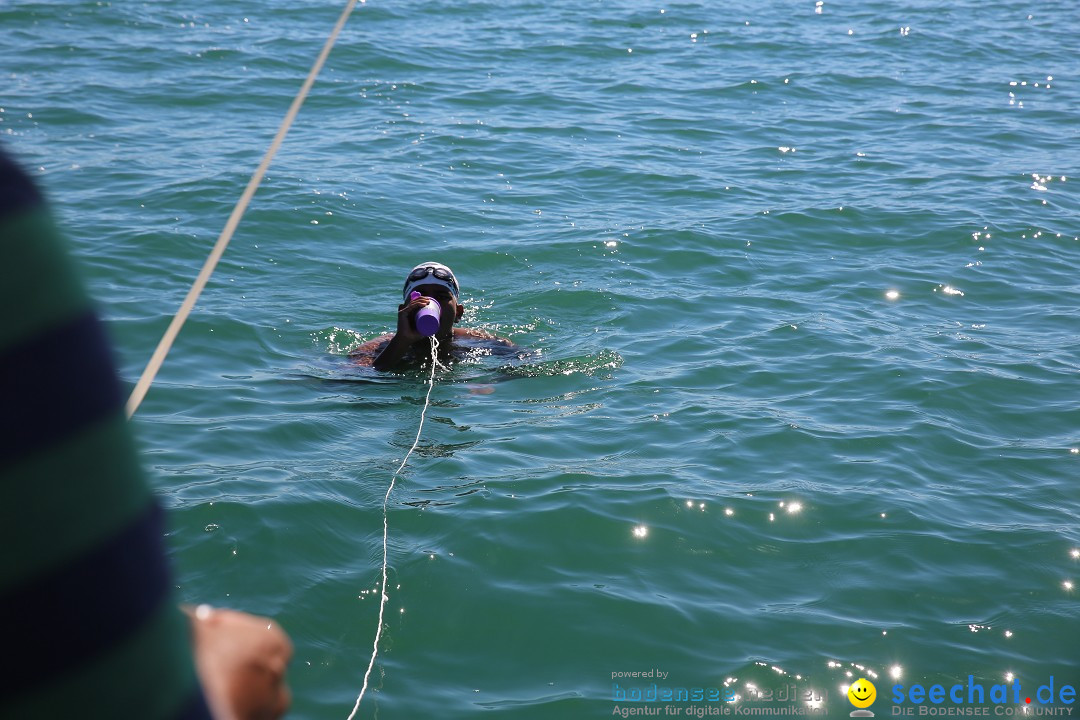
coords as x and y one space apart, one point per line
429 317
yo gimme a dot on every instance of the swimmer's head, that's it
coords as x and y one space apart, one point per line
430 273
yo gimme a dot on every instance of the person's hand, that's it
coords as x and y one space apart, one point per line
406 320
240 660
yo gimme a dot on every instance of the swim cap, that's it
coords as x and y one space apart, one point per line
430 273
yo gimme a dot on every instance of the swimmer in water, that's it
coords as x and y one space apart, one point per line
433 281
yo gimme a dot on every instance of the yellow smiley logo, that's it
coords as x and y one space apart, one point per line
862 693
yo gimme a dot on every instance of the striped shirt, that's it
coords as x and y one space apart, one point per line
90 625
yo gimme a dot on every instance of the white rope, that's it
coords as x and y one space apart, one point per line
386 499
152 367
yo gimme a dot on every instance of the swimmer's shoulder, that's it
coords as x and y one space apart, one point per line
366 353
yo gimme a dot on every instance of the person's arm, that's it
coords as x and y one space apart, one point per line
87 607
404 338
366 353
483 335
392 353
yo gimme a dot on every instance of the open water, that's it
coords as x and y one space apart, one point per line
801 283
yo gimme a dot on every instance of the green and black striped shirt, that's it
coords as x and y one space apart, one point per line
89 621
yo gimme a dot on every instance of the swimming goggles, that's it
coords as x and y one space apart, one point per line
430 274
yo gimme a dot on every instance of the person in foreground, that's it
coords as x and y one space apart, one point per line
88 614
435 283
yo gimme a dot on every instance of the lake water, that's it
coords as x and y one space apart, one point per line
800 281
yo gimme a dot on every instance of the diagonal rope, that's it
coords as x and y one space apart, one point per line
382 594
152 367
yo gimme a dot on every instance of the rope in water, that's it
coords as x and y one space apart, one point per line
152 367
385 525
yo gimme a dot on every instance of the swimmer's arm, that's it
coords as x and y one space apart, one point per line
391 353
405 336
482 335
367 352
